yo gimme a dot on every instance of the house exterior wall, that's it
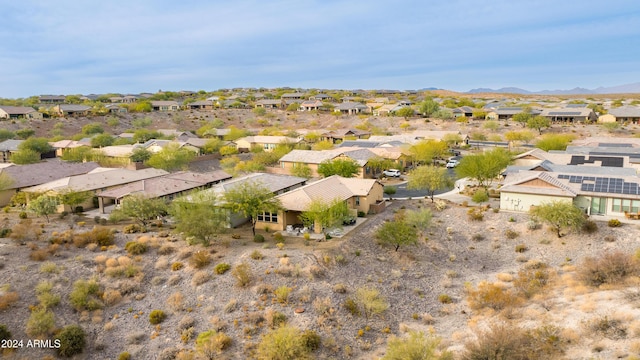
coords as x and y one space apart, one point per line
606 118
288 167
524 202
5 196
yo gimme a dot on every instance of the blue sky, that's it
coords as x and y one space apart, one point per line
82 47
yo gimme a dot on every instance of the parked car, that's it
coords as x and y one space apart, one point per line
454 152
391 173
452 163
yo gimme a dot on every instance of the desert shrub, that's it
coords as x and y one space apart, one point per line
258 238
256 255
124 356
445 299
282 294
532 279
351 306
480 196
520 248
610 268
200 259
4 232
533 225
242 273
22 215
278 237
5 334
72 341
49 268
166 250
285 342
200 278
499 342
221 268
489 295
511 234
340 288
609 238
176 302
440 204
235 236
41 322
7 299
84 295
156 317
275 318
589 226
210 344
135 248
132 229
98 235
39 255
475 214
477 237
417 346
177 266
608 327
311 340
611 223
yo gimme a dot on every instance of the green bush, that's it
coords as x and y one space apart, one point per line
5 334
135 248
416 346
124 356
156 317
72 341
311 340
475 214
84 295
445 299
352 307
285 342
614 223
211 343
480 196
22 215
221 268
4 232
258 238
278 237
242 273
132 229
41 322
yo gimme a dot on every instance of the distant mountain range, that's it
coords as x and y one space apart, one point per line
621 89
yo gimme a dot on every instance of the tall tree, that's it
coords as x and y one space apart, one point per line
325 214
142 208
405 112
342 167
198 215
397 233
559 214
102 140
25 156
522 118
251 199
43 206
426 151
430 179
379 164
38 144
554 141
538 122
171 157
428 107
484 167
73 198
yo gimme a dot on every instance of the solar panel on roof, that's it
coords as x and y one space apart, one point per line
616 145
563 176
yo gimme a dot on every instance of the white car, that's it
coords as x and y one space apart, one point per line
391 173
452 163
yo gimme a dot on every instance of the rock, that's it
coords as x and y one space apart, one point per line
298 310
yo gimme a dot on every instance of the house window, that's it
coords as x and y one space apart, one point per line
268 217
628 205
357 200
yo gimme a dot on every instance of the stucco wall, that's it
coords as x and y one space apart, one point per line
523 202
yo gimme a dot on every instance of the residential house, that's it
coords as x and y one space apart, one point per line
361 195
595 194
7 148
165 106
297 96
71 110
177 134
24 176
63 146
277 184
569 115
116 109
466 111
201 105
506 113
350 108
269 104
321 97
339 135
623 114
95 181
313 158
382 109
19 112
155 145
166 187
52 99
268 143
310 105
